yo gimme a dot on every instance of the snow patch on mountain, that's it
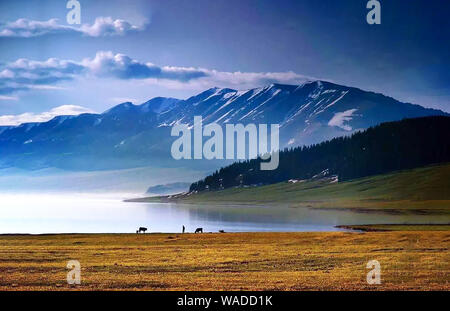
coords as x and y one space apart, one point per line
97 121
321 109
340 118
252 112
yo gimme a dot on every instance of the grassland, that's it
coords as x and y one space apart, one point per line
423 191
231 261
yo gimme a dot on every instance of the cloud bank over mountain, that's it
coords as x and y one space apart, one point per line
64 110
24 74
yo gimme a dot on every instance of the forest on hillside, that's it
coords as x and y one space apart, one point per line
387 147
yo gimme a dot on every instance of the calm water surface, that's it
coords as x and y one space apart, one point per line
83 213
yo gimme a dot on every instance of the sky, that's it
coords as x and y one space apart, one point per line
138 49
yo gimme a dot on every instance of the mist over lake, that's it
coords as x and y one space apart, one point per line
51 180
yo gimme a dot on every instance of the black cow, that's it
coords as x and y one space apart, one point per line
141 229
199 230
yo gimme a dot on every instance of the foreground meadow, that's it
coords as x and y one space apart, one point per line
410 260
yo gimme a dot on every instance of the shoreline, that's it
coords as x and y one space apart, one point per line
396 227
347 228
307 205
424 192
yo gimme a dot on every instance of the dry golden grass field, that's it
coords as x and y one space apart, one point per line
410 260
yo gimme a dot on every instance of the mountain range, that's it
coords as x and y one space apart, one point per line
129 135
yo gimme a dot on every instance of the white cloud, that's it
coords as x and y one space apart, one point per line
46 87
26 28
65 110
106 26
237 80
340 118
2 97
108 64
24 74
103 26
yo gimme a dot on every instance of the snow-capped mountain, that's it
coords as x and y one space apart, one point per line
130 135
307 113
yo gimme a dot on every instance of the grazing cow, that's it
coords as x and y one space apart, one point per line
141 229
199 230
221 231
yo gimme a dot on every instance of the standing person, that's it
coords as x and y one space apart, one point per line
184 229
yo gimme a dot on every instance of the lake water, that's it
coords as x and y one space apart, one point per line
82 213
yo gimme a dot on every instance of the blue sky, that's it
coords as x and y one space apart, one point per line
136 50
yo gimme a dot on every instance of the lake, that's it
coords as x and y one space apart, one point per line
89 213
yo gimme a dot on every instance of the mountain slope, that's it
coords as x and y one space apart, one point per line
307 113
130 135
391 146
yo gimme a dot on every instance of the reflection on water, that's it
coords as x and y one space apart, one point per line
93 213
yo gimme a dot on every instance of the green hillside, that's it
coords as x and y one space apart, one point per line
422 190
385 148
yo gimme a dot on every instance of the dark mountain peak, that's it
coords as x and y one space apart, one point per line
62 118
320 84
156 99
219 91
208 94
209 91
159 104
275 88
226 90
123 107
29 125
283 87
212 90
59 119
216 91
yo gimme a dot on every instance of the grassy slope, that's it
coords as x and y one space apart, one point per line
231 261
423 189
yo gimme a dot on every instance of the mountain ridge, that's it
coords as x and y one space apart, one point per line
129 105
129 135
